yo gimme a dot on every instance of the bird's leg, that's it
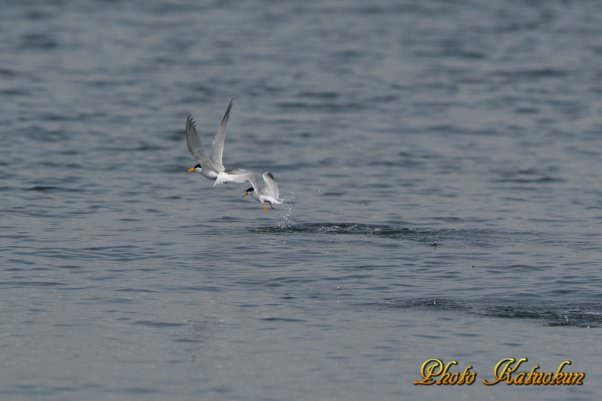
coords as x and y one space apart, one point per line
272 206
265 209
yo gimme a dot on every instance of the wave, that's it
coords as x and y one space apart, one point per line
551 314
383 231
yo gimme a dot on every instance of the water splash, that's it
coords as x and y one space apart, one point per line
286 219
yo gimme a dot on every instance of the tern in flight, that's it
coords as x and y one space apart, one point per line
212 167
269 193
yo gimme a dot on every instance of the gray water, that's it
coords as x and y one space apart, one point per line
441 162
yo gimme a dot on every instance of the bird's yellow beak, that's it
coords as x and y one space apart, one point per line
245 194
191 170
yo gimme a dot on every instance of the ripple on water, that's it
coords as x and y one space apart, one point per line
560 314
388 231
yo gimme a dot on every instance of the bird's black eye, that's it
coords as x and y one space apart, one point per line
250 189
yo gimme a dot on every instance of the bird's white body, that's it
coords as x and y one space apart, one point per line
270 192
211 174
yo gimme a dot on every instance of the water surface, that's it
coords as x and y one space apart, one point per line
440 161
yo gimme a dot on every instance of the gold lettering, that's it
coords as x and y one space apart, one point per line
578 378
547 378
563 378
532 373
560 375
430 368
468 377
558 378
520 378
434 371
446 376
504 369
538 377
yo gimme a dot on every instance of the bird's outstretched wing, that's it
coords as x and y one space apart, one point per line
271 187
217 147
194 144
